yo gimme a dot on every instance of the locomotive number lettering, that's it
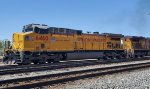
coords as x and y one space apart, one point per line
42 38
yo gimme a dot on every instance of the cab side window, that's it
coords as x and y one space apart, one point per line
41 31
36 30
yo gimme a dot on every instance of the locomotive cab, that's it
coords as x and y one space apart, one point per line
37 28
40 43
24 43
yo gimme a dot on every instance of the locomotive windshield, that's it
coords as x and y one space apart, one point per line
28 30
41 30
37 28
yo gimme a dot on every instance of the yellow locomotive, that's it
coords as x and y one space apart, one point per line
39 43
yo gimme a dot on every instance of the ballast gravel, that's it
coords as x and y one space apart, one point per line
137 79
56 71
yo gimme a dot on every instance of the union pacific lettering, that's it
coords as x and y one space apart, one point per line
88 39
42 38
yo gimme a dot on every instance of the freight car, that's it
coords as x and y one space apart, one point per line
39 43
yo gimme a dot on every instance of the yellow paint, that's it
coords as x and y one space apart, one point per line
33 42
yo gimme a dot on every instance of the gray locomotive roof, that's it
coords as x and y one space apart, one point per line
42 26
135 37
112 35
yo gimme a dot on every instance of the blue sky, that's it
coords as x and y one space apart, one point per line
129 17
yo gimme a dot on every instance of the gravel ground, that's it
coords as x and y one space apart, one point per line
137 79
23 75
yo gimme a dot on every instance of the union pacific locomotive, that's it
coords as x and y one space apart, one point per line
39 43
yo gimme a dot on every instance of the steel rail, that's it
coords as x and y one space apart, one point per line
71 76
42 67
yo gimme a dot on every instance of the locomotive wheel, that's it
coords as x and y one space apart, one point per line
118 57
136 56
50 60
41 62
23 63
19 63
141 55
35 62
56 61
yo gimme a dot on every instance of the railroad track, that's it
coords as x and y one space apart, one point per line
45 80
42 67
14 69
